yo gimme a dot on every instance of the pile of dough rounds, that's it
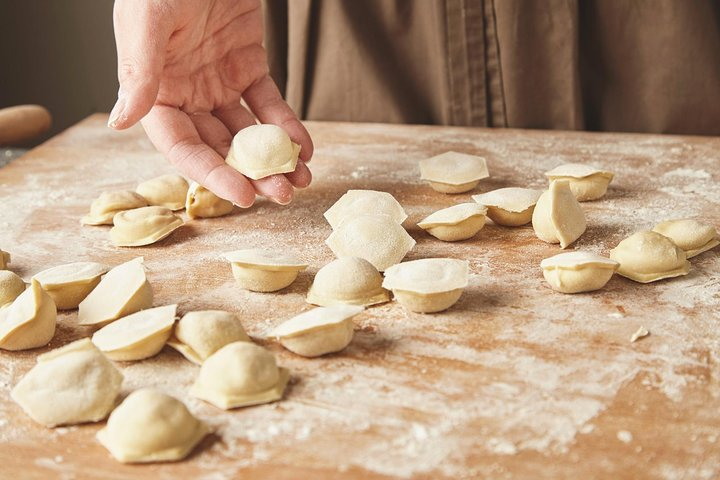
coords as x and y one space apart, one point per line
348 281
455 223
167 191
648 256
11 286
366 202
202 203
510 207
150 426
259 151
29 321
69 385
453 172
558 217
575 272
143 226
4 260
319 331
586 182
240 374
689 234
69 284
428 285
108 204
200 334
260 270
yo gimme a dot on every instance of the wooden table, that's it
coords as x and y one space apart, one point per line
515 381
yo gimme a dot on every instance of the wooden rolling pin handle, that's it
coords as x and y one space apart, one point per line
22 123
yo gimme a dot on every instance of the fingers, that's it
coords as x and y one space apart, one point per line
235 118
275 187
301 177
213 132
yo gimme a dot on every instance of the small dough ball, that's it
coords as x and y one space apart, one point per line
366 201
143 226
260 270
429 285
167 191
452 224
28 322
350 281
200 334
453 172
202 203
586 182
150 426
558 217
138 336
240 374
649 256
575 272
11 286
259 151
104 208
4 260
691 235
510 207
69 284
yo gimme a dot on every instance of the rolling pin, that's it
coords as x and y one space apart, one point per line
22 123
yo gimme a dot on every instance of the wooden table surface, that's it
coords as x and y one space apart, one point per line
515 381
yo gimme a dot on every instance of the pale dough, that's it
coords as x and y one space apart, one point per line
11 286
167 191
366 202
200 334
453 172
649 256
4 260
348 280
69 385
28 322
455 223
586 182
511 207
575 272
428 285
260 270
143 226
558 217
202 203
69 284
150 426
259 151
689 234
104 208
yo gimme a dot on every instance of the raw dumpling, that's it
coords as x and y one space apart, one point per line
455 223
428 285
150 426
11 286
264 270
69 284
586 182
259 151
28 322
123 290
377 238
558 217
167 191
4 260
200 334
139 335
366 201
575 272
692 236
143 226
104 208
239 375
319 331
348 280
649 256
202 203
69 385
453 172
511 207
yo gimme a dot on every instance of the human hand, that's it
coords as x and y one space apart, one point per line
183 67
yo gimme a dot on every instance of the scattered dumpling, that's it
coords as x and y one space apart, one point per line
365 201
69 284
240 374
143 226
319 331
259 151
511 207
558 217
4 260
150 426
123 290
453 172
428 285
348 280
104 208
377 238
28 322
649 256
586 182
260 270
139 335
200 334
575 272
69 385
692 236
202 203
11 286
455 223
167 191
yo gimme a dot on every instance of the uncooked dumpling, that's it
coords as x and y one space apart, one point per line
28 322
69 385
11 286
511 207
453 172
260 270
649 256
692 236
259 151
167 191
348 280
586 182
69 284
123 290
200 334
239 375
202 203
143 226
558 217
367 202
575 272
139 335
377 238
150 426
428 285
104 208
455 223
4 260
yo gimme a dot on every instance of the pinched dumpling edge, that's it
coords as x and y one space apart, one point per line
264 259
106 218
79 273
511 199
577 170
577 260
314 320
412 277
123 227
453 215
475 170
346 206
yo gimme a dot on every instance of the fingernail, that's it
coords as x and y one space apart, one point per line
117 112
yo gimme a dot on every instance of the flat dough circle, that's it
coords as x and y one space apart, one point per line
456 223
586 182
259 151
648 256
578 271
558 217
366 201
689 234
349 281
167 191
104 208
143 226
510 207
